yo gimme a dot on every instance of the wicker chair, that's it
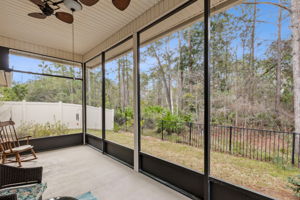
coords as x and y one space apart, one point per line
14 176
10 143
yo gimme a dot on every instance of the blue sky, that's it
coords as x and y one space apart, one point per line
266 32
267 29
27 64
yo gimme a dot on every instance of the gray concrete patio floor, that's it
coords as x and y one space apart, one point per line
76 170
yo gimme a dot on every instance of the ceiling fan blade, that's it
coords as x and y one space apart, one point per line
37 2
65 17
121 4
89 2
37 15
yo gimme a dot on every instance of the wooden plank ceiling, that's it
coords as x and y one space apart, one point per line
92 25
179 20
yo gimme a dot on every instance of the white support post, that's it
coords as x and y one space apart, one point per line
136 104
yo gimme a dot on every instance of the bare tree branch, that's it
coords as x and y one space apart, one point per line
271 3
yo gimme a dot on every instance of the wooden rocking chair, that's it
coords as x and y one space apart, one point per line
10 143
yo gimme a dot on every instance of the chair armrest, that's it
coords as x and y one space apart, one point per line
13 176
9 197
28 136
25 137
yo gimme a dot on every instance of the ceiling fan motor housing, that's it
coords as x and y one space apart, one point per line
47 10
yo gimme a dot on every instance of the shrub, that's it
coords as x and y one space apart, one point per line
153 112
171 123
117 127
123 119
42 130
119 117
295 184
149 123
163 119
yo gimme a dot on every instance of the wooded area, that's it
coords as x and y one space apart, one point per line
252 73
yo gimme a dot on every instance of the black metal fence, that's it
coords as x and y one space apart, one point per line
264 145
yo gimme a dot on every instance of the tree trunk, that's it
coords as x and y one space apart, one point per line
180 74
190 60
252 53
89 88
164 79
278 66
119 79
127 82
295 19
253 29
236 83
169 70
123 85
159 93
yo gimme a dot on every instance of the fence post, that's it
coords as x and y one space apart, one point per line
190 136
230 138
293 148
162 129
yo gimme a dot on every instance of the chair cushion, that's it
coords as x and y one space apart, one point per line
20 148
28 192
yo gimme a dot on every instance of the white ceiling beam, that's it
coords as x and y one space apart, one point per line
38 49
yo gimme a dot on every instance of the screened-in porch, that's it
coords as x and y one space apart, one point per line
160 99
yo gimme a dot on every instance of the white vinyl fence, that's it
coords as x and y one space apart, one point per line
41 113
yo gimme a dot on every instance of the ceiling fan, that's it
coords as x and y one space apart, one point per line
50 7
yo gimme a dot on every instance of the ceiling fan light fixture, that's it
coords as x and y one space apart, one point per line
73 5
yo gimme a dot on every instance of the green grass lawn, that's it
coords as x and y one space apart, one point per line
263 177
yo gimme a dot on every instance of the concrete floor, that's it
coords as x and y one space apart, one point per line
76 170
